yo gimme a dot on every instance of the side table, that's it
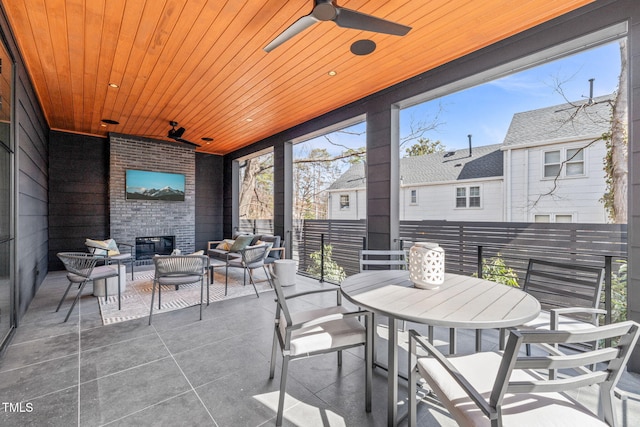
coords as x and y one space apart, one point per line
285 270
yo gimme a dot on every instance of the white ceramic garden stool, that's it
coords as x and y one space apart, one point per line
285 270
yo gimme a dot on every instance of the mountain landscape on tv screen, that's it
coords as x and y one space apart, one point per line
166 193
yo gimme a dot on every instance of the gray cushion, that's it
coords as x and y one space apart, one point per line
275 243
326 335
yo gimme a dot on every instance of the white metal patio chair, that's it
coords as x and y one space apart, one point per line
313 332
490 388
81 269
176 270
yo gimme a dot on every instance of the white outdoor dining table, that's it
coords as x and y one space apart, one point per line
460 302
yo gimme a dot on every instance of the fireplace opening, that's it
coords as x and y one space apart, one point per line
147 247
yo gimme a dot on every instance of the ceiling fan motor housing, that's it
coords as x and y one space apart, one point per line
324 11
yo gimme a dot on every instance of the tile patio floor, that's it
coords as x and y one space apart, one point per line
184 372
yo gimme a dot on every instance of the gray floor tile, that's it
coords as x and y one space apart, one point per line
58 409
249 397
115 396
27 353
183 410
111 334
123 355
38 379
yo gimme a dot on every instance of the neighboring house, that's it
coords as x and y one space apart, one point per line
549 169
554 159
447 185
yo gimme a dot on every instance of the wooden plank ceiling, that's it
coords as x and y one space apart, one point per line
201 62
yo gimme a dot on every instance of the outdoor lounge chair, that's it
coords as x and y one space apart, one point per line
81 269
251 258
176 270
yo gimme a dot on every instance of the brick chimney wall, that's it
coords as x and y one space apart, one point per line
146 218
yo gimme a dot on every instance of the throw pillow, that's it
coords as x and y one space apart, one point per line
112 247
102 247
225 245
241 242
197 253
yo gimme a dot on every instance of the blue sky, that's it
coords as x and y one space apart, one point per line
485 111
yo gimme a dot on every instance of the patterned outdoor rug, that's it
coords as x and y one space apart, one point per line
136 299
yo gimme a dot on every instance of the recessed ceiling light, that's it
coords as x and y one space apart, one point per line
332 73
114 85
104 125
249 119
110 122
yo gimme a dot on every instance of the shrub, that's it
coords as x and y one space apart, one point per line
332 271
496 270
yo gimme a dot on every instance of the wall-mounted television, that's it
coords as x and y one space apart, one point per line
148 185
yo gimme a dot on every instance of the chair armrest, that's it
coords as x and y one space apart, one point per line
317 291
556 312
280 249
329 318
213 242
125 244
473 394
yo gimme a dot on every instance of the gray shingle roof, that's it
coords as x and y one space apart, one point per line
485 161
560 121
535 126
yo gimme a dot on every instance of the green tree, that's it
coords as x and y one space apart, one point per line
425 146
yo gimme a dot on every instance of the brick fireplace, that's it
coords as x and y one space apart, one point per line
131 219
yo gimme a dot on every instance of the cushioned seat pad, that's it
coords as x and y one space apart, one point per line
521 410
98 273
327 335
179 280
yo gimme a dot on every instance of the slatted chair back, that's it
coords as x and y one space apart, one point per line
180 265
371 259
562 285
79 263
254 256
519 383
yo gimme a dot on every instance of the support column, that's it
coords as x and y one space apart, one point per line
382 164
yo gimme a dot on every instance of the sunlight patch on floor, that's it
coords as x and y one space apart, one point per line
300 413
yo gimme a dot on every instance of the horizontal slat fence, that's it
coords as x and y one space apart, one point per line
345 237
515 243
256 226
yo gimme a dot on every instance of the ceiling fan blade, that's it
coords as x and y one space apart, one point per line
184 141
348 18
296 28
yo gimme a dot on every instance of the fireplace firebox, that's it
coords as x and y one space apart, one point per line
147 247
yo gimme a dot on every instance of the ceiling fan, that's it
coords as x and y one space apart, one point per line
328 10
176 134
